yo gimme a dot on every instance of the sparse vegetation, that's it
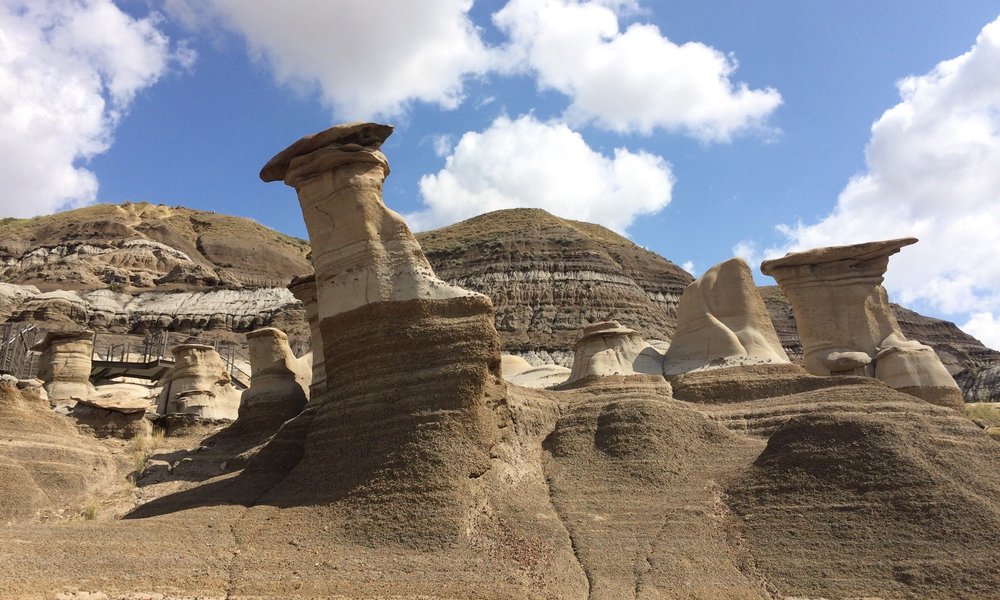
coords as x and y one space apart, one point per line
986 413
139 448
89 512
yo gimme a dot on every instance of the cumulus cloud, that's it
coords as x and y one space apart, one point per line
68 72
986 327
634 80
366 58
528 163
933 172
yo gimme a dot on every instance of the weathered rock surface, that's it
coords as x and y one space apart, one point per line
842 314
611 349
974 366
549 278
362 251
279 384
141 246
520 372
45 465
304 290
218 310
722 321
198 385
64 365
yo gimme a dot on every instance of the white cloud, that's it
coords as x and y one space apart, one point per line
629 81
933 172
68 72
985 327
528 163
367 58
688 266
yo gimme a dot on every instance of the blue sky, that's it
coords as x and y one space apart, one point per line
701 128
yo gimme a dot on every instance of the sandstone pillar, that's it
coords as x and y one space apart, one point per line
279 382
362 251
304 289
65 365
845 322
721 322
198 385
412 363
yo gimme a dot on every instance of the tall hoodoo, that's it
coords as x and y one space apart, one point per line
721 322
412 363
304 289
65 365
363 252
846 324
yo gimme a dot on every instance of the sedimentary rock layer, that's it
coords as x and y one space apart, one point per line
64 365
198 385
279 384
549 278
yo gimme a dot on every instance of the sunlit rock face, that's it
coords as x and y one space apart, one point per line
846 323
65 364
723 322
198 385
279 384
362 251
610 349
304 289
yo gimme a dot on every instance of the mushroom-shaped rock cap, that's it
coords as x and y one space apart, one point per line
858 252
347 137
267 331
62 336
605 328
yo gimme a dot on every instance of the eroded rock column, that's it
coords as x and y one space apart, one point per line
65 365
412 363
198 385
722 322
845 322
362 251
304 289
279 382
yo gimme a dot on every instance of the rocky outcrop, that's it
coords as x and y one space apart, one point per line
304 290
219 310
141 246
548 278
65 365
845 322
610 349
198 385
520 372
279 384
46 466
722 321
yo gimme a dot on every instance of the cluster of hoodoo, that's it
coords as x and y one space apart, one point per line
842 313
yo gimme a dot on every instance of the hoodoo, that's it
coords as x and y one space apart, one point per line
362 251
279 384
64 365
412 363
608 348
198 385
846 324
